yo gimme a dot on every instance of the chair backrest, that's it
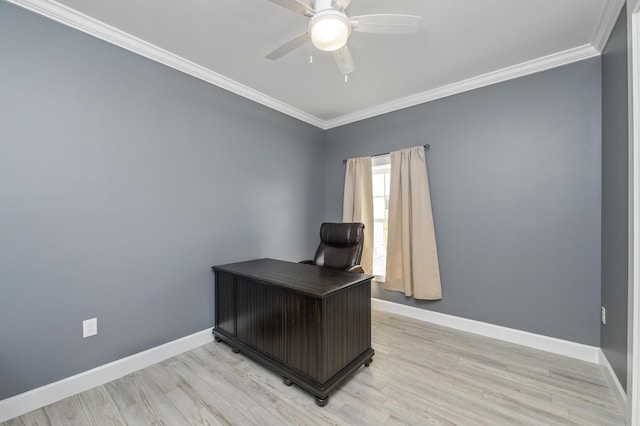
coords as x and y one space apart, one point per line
340 245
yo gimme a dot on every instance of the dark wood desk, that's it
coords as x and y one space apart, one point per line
310 325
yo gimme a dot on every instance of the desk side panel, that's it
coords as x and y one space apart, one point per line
347 327
303 334
260 318
225 302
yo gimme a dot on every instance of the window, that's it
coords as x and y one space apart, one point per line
381 170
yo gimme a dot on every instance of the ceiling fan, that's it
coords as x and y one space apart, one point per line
330 27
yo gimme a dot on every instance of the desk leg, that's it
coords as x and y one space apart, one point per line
287 381
322 401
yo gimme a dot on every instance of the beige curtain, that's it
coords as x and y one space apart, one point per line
358 204
412 255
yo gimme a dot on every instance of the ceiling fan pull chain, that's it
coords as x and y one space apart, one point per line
346 78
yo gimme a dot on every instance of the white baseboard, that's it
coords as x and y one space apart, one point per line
48 394
536 341
619 392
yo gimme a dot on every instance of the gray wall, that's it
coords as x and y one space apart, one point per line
615 175
514 171
122 182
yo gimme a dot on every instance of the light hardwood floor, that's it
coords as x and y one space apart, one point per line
421 374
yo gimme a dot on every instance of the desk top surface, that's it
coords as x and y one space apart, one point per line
309 279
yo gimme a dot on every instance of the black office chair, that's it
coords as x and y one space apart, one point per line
340 247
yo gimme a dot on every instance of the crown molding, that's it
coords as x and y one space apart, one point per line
608 18
509 73
91 26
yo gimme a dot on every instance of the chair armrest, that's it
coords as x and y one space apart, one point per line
355 268
307 262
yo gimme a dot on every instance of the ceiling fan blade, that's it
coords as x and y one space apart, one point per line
386 24
288 47
344 60
295 6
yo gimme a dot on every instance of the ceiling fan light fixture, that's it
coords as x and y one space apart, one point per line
329 30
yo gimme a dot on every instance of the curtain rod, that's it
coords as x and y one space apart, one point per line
426 147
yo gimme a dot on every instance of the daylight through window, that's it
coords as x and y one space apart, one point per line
381 169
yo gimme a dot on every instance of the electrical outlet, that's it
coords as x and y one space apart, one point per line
89 327
603 315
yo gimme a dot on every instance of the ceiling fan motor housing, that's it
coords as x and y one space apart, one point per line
320 5
329 29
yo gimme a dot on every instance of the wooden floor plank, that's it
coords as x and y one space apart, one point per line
69 411
421 374
215 404
34 418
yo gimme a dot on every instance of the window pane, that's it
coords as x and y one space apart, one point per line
378 236
381 174
379 266
387 183
379 249
378 185
379 208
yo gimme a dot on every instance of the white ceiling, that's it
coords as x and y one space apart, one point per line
461 45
